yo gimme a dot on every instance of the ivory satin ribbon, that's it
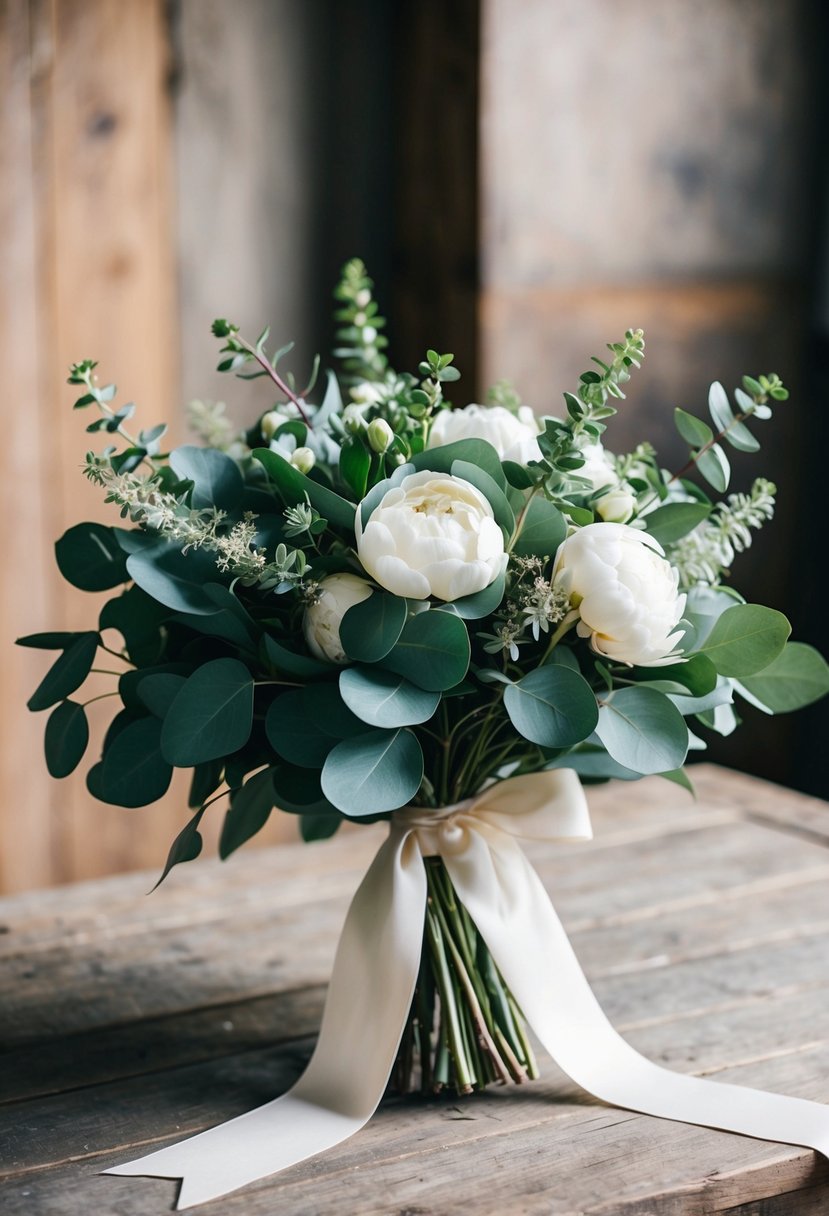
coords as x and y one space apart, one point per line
374 978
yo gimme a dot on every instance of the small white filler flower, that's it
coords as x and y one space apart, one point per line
433 534
625 591
321 623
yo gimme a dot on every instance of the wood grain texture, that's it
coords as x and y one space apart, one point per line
702 926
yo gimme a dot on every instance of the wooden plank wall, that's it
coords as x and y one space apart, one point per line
88 271
654 165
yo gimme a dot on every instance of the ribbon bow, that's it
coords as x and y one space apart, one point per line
373 982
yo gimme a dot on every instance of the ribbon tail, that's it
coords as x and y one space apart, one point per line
506 899
371 989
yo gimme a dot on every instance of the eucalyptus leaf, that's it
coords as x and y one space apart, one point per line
134 771
90 557
66 738
294 487
303 724
432 651
319 826
797 677
158 691
382 698
693 430
173 578
216 479
542 528
369 630
670 523
472 451
211 715
186 847
67 673
552 706
250 808
290 663
714 467
746 639
481 604
372 773
642 730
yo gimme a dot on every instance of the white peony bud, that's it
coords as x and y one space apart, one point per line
380 435
432 535
321 622
303 459
625 592
271 422
617 506
353 419
514 437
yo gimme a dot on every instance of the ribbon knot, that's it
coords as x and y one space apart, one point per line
374 979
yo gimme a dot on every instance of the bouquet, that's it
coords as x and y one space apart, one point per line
376 603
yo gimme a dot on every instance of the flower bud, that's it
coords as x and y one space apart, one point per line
322 620
270 423
617 506
353 419
303 459
380 436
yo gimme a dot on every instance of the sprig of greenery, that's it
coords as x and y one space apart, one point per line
240 353
145 447
360 344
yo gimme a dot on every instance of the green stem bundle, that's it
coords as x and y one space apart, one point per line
464 1029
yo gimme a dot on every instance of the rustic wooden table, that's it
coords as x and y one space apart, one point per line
128 1022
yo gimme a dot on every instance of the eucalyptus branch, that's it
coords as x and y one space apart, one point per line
241 351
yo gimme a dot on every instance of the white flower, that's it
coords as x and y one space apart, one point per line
514 437
618 505
433 534
321 623
270 423
625 592
598 467
380 435
366 393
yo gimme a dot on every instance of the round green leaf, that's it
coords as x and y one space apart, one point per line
432 651
797 677
67 734
542 528
473 451
642 730
319 826
89 557
216 479
552 706
692 429
289 663
211 715
304 724
158 691
370 629
372 773
134 772
676 519
67 673
173 578
382 698
745 640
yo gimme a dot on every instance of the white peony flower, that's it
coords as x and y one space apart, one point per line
433 534
625 592
514 437
366 393
321 623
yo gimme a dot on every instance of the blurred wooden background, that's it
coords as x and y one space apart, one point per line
525 180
